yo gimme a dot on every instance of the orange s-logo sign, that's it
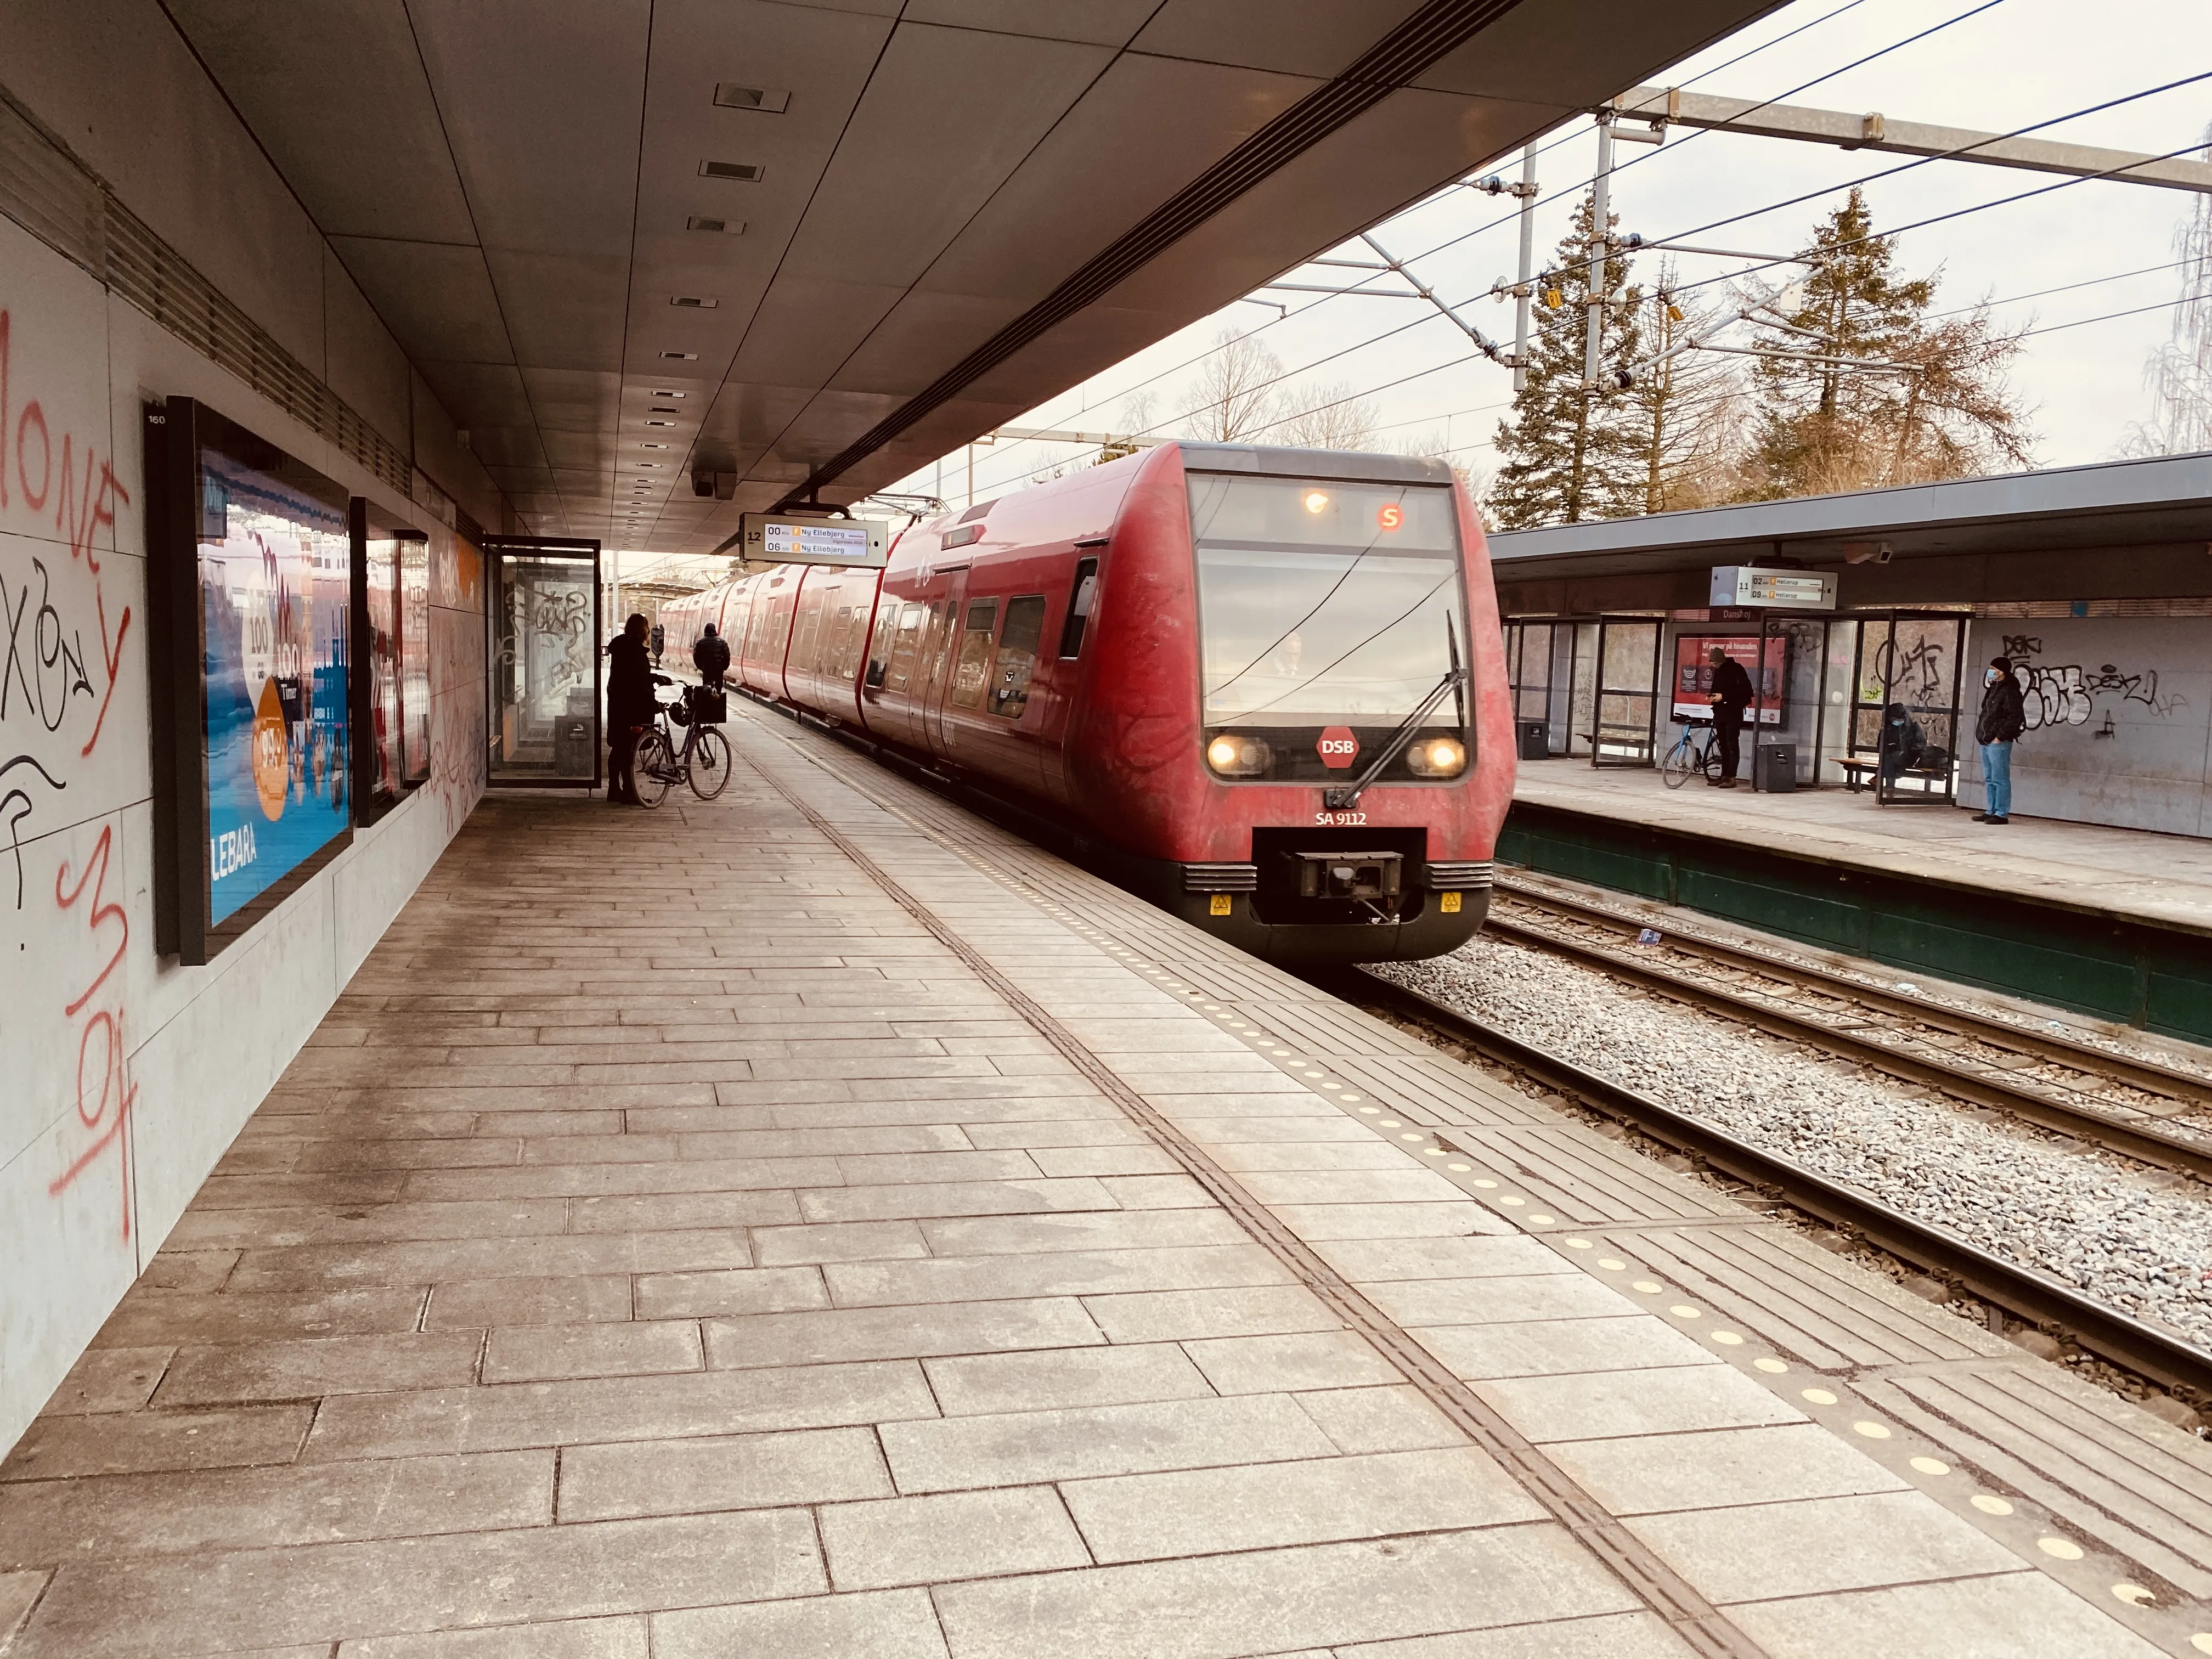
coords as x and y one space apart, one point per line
1390 516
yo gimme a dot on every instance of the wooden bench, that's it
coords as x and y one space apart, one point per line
1863 774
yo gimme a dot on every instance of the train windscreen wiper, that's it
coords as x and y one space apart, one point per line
1347 796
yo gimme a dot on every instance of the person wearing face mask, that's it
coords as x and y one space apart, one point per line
2004 718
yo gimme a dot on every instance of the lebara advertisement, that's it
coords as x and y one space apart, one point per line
273 566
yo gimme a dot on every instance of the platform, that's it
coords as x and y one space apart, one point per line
815 1224
2116 923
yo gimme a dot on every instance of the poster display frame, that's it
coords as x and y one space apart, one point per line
1768 662
176 431
368 528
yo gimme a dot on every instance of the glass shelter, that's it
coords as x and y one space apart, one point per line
545 661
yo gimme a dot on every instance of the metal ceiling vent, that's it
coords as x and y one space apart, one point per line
693 301
730 95
1427 34
747 172
716 227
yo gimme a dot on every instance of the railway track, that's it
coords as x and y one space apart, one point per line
2137 1108
2033 1298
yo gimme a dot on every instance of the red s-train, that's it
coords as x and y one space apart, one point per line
1266 684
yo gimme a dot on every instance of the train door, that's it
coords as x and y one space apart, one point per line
1059 664
943 650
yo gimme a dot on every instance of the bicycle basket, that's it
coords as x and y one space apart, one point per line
709 708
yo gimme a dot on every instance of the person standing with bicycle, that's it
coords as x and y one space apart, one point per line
629 709
1731 696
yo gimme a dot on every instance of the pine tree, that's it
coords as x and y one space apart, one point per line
1571 454
1932 403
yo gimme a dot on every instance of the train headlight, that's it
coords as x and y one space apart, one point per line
1317 501
1437 757
1234 756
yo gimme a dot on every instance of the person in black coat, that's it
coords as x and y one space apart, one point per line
711 657
1731 696
2002 718
629 710
1903 741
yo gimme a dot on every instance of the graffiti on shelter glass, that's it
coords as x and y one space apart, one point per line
2065 694
1912 674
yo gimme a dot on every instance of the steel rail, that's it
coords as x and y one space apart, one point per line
2036 1298
2142 1141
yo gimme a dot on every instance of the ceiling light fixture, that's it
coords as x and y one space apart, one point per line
667 394
661 423
728 95
715 227
748 172
693 302
677 357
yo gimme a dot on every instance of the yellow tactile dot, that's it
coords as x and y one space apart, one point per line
1990 1504
1331 1086
1645 1287
1684 1310
2202 1641
1580 1244
1410 1134
1773 1367
1369 1111
1312 1073
1818 1397
1350 1099
1432 1151
1931 1466
1485 1183
1727 1339
2135 1596
1872 1430
1510 1200
1388 1123
2059 1549
1543 1220
1612 1264
1461 1168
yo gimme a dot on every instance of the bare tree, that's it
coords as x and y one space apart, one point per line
2179 373
1690 407
1331 417
1235 392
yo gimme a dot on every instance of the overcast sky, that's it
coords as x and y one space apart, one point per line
2017 62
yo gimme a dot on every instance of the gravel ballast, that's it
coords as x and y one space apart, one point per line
2111 1229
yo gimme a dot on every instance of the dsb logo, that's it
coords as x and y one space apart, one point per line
1338 747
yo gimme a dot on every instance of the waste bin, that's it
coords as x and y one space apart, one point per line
572 738
1534 739
1777 771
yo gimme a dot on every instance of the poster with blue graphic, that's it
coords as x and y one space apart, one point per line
274 560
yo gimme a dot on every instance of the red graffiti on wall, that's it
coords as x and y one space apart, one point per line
100 1054
86 506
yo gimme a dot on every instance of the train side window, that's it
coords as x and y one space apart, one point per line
971 675
905 647
879 651
1018 647
1081 599
809 634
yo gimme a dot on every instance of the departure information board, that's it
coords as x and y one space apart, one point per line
777 538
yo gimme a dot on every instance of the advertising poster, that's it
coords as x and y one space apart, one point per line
274 562
1694 674
415 660
380 651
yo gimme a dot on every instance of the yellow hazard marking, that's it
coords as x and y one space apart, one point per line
1449 903
1218 905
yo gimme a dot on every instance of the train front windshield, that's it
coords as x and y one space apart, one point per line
1324 601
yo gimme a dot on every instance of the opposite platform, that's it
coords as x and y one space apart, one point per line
816 1223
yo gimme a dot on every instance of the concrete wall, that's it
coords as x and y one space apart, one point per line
123 1077
2120 718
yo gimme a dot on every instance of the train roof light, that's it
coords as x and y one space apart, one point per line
1316 500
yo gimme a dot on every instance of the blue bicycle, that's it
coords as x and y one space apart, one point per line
1694 755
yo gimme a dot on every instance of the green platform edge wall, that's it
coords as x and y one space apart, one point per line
2136 973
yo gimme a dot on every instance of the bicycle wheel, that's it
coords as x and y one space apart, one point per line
1709 763
710 763
655 767
1675 770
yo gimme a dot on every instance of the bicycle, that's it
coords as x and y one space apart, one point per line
702 760
1691 757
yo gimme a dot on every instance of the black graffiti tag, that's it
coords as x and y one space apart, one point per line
17 794
54 670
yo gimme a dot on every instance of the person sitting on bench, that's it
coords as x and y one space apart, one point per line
1904 743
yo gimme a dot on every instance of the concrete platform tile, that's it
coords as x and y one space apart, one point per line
906 1168
1269 1131
1368 1261
1455 1218
330 1592
846 1241
1406 1186
52 1522
475 1304
1495 1301
1300 1156
1144 1160
1205 1511
1551 1347
1115 1131
1012 1447
18 1592
1157 1192
1676 1400
1766 1552
1058 1378
66 1446
538 1353
1095 1229
1272 1095
1720 1468
1275 1364
568 1639
1395 1417
1608 1636
848 1333
300 1369
1178 1316
954 1535
2014 1615
152 1317
671 1212
1052 1272
608 1409
737 1471
453 1261
868 1625
729 1291
920 1199
1279 1600
109 1380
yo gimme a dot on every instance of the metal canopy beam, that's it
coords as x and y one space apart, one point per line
1874 131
